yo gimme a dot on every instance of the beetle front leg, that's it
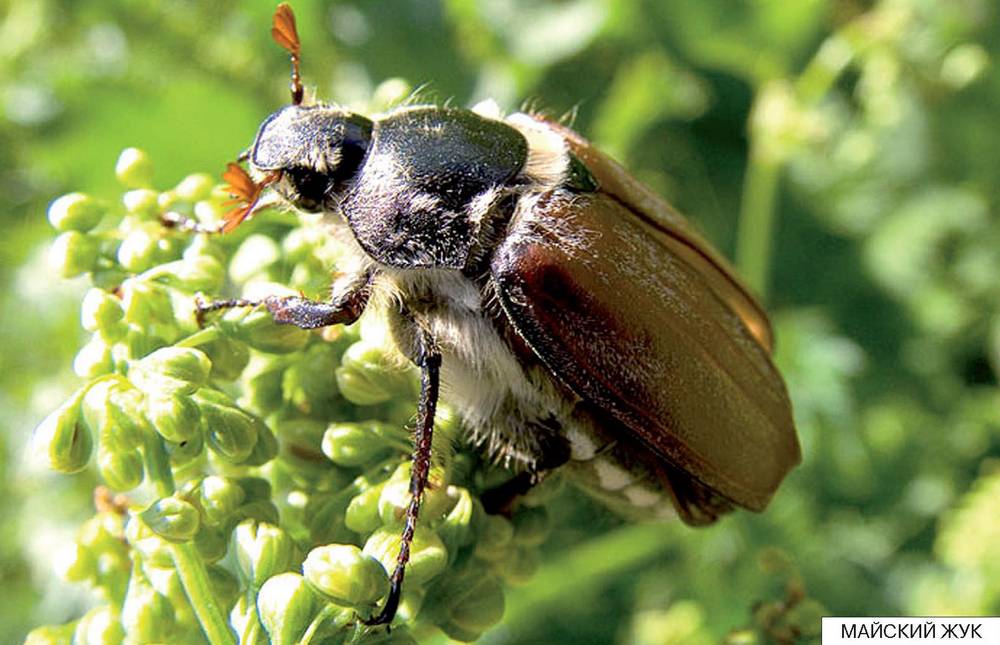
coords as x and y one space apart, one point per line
304 313
428 359
313 314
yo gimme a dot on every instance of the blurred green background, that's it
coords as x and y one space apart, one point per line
846 152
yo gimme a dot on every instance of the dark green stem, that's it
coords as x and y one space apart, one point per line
760 191
189 565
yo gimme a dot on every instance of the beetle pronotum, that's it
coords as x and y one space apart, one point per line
571 314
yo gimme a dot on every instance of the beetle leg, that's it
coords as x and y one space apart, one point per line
499 500
202 308
429 360
302 312
313 314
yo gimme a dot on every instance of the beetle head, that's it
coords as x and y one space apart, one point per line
317 149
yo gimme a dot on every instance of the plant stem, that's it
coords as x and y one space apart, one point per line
190 568
194 579
760 190
760 185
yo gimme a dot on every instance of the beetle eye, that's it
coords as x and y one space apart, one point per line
353 146
310 188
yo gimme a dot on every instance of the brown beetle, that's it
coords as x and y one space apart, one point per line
575 318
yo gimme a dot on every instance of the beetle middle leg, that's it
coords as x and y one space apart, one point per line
553 452
428 359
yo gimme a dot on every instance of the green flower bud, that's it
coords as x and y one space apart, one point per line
185 452
301 457
167 199
75 212
345 575
174 416
210 211
126 405
260 510
286 606
257 489
113 410
456 530
198 273
265 448
155 551
352 444
300 244
256 328
495 538
121 470
255 255
141 202
263 550
73 254
390 93
367 375
212 543
99 626
141 248
195 187
219 497
479 608
225 586
229 431
102 533
100 311
261 382
244 620
171 369
531 526
63 439
147 616
134 168
146 303
399 635
325 518
167 583
411 602
428 555
228 357
545 491
520 565
204 245
94 359
396 497
76 563
108 278
310 384
51 634
172 519
362 515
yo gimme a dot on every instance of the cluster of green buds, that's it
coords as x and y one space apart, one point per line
261 471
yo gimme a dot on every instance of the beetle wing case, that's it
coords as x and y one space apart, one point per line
639 317
697 252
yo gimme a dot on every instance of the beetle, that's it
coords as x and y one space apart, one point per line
575 318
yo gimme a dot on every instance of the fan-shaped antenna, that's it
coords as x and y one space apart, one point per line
284 33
